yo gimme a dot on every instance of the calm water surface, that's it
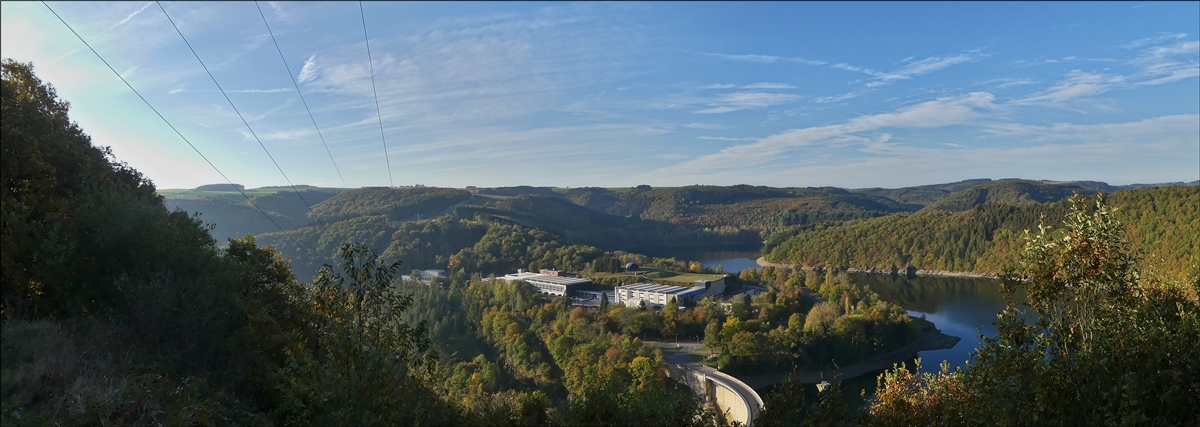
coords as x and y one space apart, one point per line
961 307
731 261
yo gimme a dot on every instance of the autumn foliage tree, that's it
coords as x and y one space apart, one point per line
1112 343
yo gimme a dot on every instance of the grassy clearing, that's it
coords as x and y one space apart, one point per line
659 275
675 276
492 197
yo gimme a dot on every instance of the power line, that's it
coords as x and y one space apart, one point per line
378 114
164 119
239 113
297 85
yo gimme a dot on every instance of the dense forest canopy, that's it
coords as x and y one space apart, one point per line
1163 223
121 308
950 226
1113 343
118 311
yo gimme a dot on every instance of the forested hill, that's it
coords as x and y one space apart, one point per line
944 226
1162 222
922 194
397 203
739 206
579 224
118 311
727 210
1013 193
232 216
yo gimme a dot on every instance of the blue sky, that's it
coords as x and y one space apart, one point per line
593 94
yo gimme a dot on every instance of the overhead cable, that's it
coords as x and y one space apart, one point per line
164 119
297 85
239 114
378 113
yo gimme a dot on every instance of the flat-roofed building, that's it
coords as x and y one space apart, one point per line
556 285
554 272
711 288
654 294
596 295
553 285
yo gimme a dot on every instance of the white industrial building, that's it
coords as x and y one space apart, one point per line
658 295
654 294
553 285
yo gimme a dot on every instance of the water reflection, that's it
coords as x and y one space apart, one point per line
729 261
962 307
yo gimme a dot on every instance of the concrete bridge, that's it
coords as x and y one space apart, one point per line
719 390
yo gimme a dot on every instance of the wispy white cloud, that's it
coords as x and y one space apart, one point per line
762 59
1157 63
737 101
808 61
1154 40
1132 132
129 72
287 135
751 58
309 71
931 64
936 113
275 90
837 98
63 56
1078 84
723 138
759 85
1006 82
848 67
1063 151
910 69
1169 63
768 85
706 126
131 15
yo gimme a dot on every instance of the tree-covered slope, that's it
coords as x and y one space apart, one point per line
922 194
116 311
1162 221
287 203
1010 192
230 218
399 204
611 232
741 206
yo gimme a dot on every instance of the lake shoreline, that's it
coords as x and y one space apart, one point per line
927 340
762 262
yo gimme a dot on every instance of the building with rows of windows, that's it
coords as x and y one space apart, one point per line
654 294
561 285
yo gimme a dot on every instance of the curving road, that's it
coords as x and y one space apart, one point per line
748 396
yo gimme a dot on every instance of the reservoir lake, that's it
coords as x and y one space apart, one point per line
961 307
